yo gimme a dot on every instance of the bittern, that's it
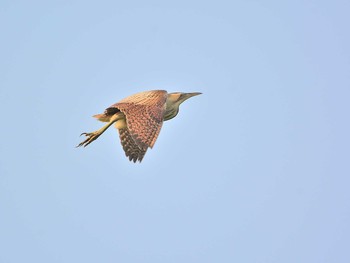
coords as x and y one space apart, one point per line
139 119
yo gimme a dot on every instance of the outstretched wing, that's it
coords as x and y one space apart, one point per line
144 114
131 149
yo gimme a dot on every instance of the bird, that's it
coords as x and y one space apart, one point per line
139 119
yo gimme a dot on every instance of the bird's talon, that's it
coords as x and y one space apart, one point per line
91 136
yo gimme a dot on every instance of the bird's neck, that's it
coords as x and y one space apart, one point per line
171 111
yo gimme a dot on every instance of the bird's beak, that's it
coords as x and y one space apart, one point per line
189 95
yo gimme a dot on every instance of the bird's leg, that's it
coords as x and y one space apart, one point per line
91 136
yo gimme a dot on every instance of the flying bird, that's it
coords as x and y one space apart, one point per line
139 119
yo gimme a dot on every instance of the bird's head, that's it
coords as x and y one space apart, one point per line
179 97
173 102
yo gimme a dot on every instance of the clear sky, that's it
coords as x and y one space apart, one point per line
254 170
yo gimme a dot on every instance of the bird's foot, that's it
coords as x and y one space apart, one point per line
91 136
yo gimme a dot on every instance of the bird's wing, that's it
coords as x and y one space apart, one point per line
131 149
144 114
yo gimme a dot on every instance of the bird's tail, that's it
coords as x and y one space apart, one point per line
102 117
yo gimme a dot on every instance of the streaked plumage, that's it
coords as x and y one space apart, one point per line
139 119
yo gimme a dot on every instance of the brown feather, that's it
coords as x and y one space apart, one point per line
144 114
131 149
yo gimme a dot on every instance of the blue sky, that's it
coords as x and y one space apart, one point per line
254 170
